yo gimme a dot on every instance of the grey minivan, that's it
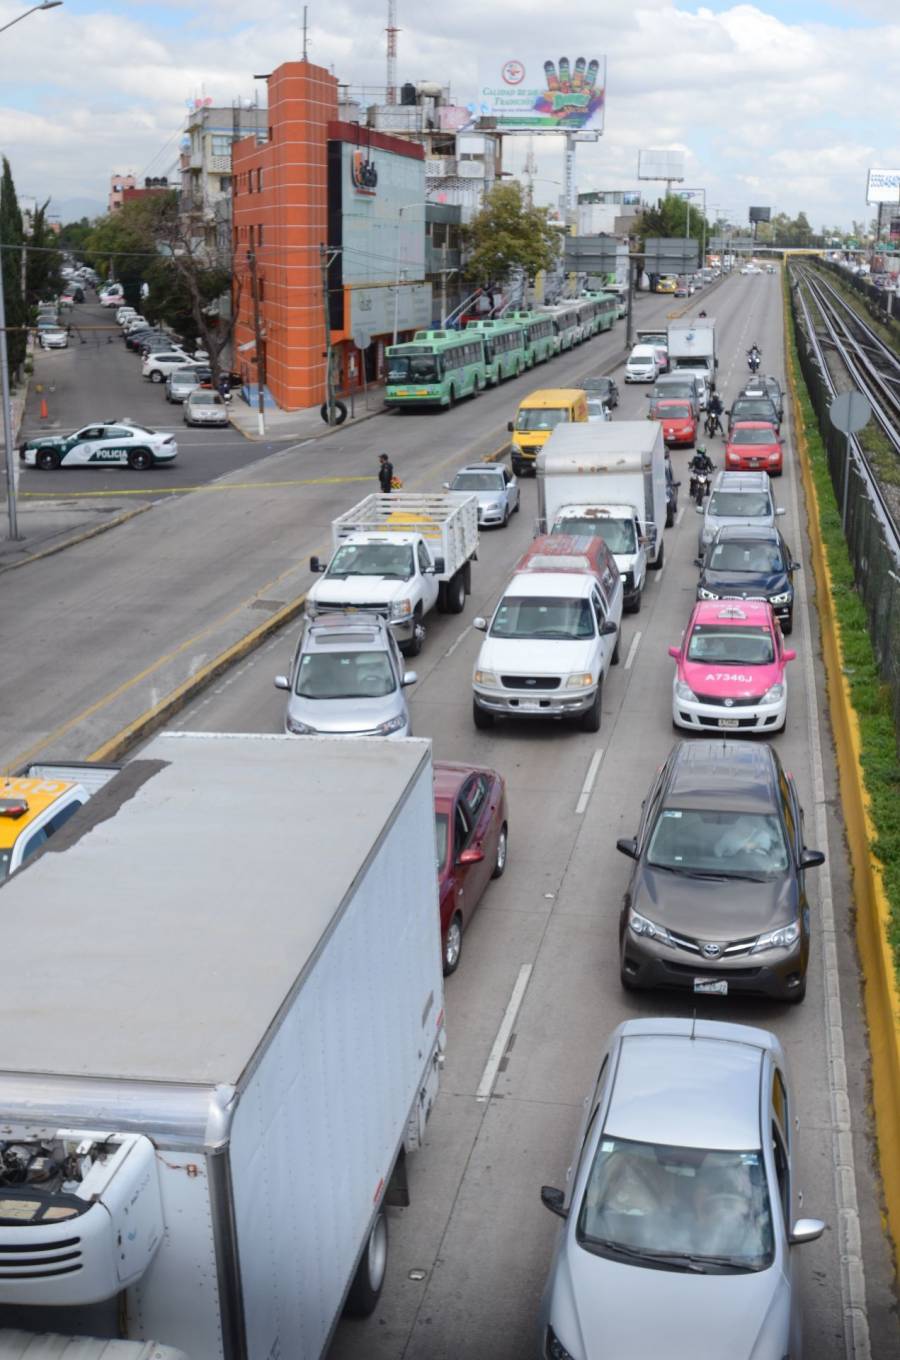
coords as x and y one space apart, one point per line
737 498
347 679
678 1210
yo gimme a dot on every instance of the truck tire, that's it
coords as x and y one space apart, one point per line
369 1278
340 412
455 594
635 606
414 645
614 659
590 721
482 719
657 565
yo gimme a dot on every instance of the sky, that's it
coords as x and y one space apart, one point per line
785 103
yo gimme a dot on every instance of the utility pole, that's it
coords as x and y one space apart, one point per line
11 488
260 348
444 276
329 371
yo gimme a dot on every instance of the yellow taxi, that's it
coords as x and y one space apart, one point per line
666 285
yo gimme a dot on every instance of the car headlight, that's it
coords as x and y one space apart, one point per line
783 598
485 678
400 609
299 729
773 695
704 594
785 937
392 725
554 1348
583 680
647 929
683 691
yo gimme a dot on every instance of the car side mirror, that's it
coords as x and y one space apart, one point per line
429 570
608 628
789 655
474 855
509 426
282 682
439 565
480 624
806 1230
781 441
627 845
445 485
811 859
409 678
675 653
676 483
315 564
698 509
795 566
698 561
555 1201
780 510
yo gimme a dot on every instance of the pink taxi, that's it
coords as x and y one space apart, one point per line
730 669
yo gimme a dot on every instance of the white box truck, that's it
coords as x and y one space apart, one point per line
400 555
221 1036
692 345
608 480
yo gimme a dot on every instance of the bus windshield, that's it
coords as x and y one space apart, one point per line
413 368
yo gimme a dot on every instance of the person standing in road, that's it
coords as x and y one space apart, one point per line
385 472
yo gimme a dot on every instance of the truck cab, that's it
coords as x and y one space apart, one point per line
393 575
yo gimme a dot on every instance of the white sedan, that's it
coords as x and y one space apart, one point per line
119 444
53 337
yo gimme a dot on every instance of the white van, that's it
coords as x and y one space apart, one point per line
642 364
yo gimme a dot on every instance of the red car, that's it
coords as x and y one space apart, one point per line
676 415
471 840
754 446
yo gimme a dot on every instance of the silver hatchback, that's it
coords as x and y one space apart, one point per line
737 498
347 680
678 1211
496 488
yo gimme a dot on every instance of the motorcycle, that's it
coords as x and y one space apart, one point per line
699 488
753 359
713 424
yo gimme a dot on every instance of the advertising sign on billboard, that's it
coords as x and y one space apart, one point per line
372 309
883 186
532 93
760 215
661 165
382 215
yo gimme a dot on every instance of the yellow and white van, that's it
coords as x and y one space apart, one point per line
538 414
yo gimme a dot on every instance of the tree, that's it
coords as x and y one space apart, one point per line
12 238
669 218
508 234
73 235
42 261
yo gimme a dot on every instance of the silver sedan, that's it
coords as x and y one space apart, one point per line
205 407
496 488
678 1230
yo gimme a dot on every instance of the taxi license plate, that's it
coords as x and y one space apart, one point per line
711 986
728 722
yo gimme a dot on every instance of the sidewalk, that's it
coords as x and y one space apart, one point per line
48 526
307 424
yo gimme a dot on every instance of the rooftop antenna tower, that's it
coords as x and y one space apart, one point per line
392 31
305 32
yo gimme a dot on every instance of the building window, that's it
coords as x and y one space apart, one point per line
252 242
259 233
221 145
261 289
259 180
249 181
271 133
225 183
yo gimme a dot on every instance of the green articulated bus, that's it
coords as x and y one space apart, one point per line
435 368
540 336
567 324
504 348
606 310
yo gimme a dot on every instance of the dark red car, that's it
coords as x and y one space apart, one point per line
676 416
754 446
471 841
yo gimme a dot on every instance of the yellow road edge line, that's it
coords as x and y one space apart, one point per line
177 698
881 995
181 490
81 537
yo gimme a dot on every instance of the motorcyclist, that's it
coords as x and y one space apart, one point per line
753 356
714 411
701 313
701 461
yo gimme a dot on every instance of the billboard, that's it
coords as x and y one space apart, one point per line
660 165
883 186
533 93
760 215
382 206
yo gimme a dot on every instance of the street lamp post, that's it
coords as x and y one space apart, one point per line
4 358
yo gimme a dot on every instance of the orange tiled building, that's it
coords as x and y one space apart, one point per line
317 182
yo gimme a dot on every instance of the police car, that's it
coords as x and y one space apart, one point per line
118 443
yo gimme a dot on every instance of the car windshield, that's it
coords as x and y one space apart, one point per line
413 368
394 560
478 481
206 399
441 821
757 557
718 842
618 534
732 646
740 504
186 375
541 418
753 409
671 410
524 616
677 1208
344 675
753 436
596 409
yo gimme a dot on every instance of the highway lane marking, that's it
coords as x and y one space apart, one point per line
632 650
495 1057
587 787
217 485
657 575
453 646
679 517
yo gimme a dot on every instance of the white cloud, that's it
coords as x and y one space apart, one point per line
768 110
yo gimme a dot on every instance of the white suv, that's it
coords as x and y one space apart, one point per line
158 366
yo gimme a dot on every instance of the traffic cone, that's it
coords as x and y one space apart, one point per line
44 412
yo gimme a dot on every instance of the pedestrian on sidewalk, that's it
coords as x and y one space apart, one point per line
385 473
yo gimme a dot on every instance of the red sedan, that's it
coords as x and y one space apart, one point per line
471 841
676 415
754 446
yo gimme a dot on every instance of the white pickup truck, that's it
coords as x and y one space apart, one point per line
400 555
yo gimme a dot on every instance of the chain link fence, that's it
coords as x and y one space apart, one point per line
876 565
